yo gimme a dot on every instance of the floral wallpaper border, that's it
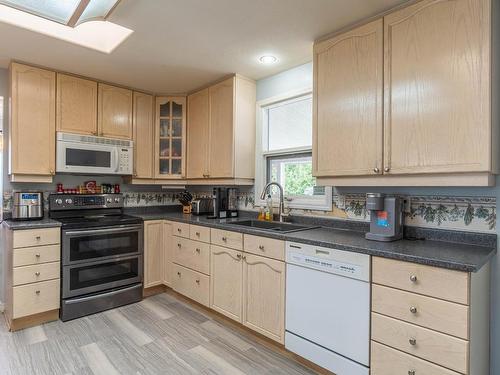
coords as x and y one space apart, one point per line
475 214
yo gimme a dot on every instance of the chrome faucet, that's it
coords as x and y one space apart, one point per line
282 198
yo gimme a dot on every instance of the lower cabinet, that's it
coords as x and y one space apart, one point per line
153 253
192 284
168 250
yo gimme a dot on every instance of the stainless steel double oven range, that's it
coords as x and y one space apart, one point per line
101 253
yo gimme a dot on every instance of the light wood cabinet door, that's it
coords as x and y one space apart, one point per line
264 296
114 112
153 253
168 253
226 281
221 137
143 135
33 121
348 85
76 105
170 137
197 134
437 87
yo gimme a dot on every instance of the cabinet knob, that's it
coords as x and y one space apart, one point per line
244 257
376 170
197 234
37 273
37 255
412 372
413 310
179 245
179 230
197 281
387 169
261 247
224 239
198 250
38 238
179 274
37 292
412 341
413 278
52 172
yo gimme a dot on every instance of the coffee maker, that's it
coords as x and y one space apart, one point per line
386 217
225 203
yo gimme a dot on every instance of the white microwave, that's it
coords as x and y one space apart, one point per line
84 154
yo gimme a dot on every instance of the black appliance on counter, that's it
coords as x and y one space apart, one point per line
225 203
101 253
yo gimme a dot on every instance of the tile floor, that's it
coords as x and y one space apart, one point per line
160 335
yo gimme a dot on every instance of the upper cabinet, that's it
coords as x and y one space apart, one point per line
114 112
76 106
438 124
348 85
222 117
170 137
32 124
143 135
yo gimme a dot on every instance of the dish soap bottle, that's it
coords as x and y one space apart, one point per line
262 213
269 208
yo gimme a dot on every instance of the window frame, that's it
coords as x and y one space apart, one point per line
262 154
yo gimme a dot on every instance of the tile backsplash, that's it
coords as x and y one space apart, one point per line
475 214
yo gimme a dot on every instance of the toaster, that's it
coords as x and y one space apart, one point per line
202 206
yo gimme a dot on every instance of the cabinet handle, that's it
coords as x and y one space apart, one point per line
413 310
244 257
37 255
376 170
387 169
197 281
413 341
198 250
413 278
224 239
179 274
179 230
37 273
238 256
179 245
37 292
197 234
412 372
261 247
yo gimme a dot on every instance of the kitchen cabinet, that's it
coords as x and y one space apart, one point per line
264 296
32 125
221 131
439 125
76 105
153 253
143 135
168 251
226 284
348 95
114 112
170 137
429 320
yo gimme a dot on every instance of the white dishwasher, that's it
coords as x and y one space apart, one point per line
328 307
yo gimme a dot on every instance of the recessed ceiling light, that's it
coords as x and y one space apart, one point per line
268 59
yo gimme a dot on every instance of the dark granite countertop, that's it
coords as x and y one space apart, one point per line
453 255
31 224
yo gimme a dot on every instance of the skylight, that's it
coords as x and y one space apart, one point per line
67 12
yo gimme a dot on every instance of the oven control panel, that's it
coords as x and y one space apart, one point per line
58 202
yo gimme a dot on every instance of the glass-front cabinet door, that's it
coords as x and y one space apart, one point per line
170 141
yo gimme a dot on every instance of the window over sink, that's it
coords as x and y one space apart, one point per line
285 152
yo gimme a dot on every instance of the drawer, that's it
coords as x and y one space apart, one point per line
36 237
447 317
192 254
233 240
443 350
191 284
387 361
35 273
198 233
431 281
26 256
180 229
264 246
35 298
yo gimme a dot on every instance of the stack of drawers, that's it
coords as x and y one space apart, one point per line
191 260
421 321
34 273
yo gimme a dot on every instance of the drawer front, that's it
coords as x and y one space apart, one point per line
192 284
34 255
180 229
267 247
198 233
443 350
36 273
387 361
443 316
225 238
192 254
35 298
36 237
436 282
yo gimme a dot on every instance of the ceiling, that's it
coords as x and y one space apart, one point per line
180 45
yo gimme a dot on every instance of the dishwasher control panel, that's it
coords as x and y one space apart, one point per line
340 262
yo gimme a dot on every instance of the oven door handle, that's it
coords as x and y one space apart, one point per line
119 229
100 295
